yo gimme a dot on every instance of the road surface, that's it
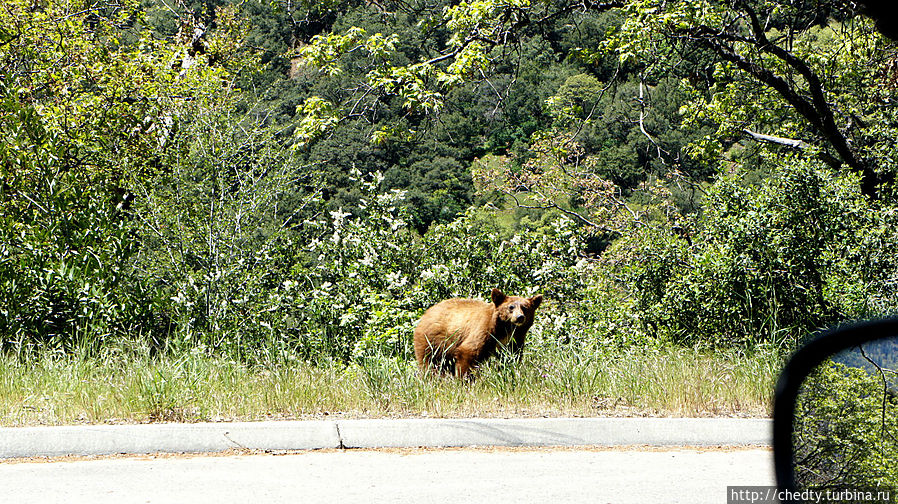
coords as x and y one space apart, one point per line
494 475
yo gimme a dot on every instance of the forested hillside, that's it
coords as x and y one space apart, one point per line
300 180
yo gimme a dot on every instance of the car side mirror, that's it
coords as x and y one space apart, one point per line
835 416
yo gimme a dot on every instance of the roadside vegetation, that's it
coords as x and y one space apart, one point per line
127 386
228 209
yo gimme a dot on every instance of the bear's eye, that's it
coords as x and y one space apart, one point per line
511 308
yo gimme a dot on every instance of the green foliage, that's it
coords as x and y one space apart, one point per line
423 92
207 175
64 242
770 262
631 130
844 431
355 270
793 71
218 230
366 280
92 102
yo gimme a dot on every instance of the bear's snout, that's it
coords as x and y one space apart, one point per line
519 319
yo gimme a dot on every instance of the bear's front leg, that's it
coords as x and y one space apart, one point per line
464 361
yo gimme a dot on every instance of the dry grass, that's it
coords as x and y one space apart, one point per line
127 386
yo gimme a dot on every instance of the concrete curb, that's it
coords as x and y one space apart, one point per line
165 438
556 432
18 442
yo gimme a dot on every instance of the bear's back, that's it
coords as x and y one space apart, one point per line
457 317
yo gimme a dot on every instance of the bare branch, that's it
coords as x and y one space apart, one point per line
789 142
558 207
885 391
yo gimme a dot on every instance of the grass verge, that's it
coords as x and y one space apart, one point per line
126 386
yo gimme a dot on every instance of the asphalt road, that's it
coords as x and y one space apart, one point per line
494 475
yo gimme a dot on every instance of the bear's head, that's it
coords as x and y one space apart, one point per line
514 309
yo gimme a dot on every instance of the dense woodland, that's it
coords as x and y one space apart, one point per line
300 180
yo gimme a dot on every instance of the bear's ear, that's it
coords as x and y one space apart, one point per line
536 300
498 297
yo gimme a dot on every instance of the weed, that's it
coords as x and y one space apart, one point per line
130 384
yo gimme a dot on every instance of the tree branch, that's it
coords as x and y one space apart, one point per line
816 111
788 142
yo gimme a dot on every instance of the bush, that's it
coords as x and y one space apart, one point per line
844 425
770 263
218 228
65 243
368 279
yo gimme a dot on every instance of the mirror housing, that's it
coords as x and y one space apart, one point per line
805 360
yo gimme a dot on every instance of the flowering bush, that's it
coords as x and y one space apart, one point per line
365 281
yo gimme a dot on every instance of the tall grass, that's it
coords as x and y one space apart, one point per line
127 385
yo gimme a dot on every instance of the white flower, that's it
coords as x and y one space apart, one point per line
396 280
347 318
339 216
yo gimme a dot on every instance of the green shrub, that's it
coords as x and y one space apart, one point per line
367 279
771 262
844 425
65 243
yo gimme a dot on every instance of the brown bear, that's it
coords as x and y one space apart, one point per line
465 332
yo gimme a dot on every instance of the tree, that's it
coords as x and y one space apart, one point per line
91 101
844 434
809 70
805 70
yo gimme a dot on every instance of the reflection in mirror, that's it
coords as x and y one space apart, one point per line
846 428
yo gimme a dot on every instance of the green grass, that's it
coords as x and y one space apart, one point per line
131 386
